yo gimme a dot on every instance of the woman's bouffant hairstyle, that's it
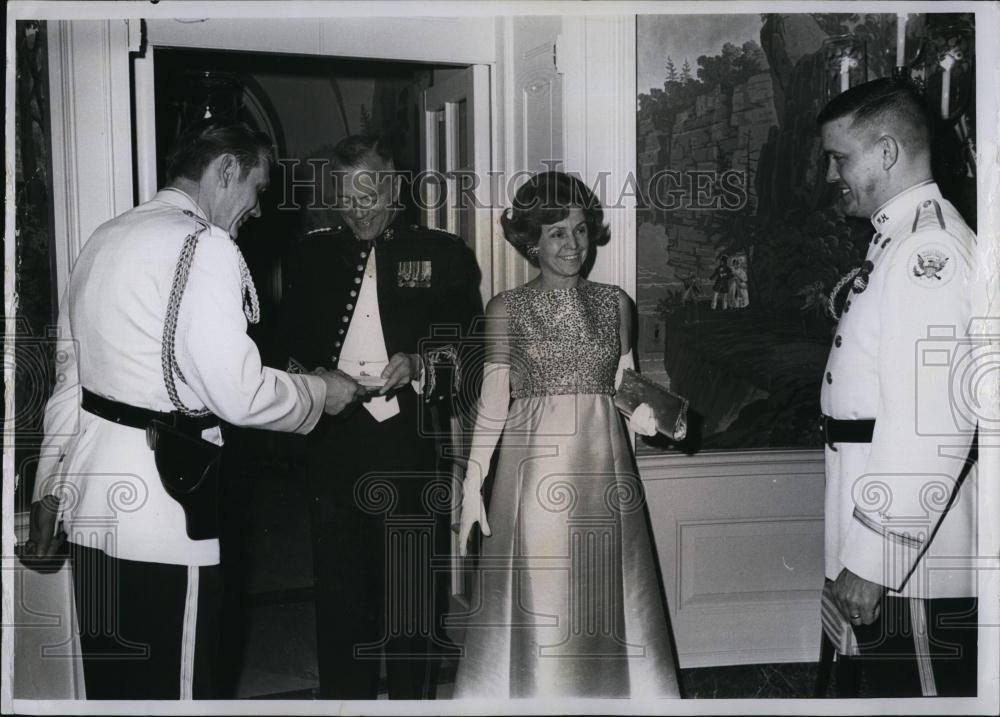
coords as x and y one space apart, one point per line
545 199
206 139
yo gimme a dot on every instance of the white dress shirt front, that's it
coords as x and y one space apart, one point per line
364 352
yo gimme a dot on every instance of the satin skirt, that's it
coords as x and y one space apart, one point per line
567 600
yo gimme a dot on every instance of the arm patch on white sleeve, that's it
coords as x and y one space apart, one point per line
931 265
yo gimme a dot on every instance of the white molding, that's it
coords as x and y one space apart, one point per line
572 62
500 127
145 124
503 258
90 94
733 464
461 40
66 236
751 656
599 129
525 61
481 155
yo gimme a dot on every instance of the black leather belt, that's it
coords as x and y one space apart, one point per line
135 417
836 430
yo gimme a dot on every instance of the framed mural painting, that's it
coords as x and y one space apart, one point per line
739 242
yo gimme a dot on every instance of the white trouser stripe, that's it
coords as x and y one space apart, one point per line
189 631
922 646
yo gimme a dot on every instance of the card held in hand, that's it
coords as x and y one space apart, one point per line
669 409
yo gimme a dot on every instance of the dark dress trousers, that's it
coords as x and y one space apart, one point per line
379 525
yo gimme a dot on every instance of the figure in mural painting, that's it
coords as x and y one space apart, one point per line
690 297
739 295
720 289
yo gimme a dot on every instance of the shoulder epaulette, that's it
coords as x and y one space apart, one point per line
441 233
323 230
928 216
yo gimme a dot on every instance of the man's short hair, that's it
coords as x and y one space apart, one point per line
884 104
205 140
354 150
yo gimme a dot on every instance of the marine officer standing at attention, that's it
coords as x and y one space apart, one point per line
900 493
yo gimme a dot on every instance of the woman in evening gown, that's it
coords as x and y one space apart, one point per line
567 600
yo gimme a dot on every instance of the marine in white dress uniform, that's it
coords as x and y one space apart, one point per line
900 492
147 594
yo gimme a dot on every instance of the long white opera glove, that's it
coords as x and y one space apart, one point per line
491 414
642 420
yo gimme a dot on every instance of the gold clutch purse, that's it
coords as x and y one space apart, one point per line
669 409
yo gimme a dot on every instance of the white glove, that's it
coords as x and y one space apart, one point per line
473 511
491 415
642 420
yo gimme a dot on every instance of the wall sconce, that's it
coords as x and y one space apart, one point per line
946 71
206 94
846 63
953 48
953 51
942 68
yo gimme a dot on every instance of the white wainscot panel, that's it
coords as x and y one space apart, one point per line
740 544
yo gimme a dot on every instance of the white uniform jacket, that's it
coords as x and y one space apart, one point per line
110 334
895 514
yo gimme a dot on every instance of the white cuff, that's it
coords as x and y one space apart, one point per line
419 382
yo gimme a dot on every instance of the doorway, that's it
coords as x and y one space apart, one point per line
306 104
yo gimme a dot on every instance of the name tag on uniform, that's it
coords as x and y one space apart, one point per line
414 274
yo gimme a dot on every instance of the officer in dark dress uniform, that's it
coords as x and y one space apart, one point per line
378 298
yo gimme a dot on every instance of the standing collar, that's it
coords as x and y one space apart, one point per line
902 204
180 199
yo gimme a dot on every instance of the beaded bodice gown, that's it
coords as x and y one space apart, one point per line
567 601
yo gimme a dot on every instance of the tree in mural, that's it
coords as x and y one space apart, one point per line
732 66
686 71
671 70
